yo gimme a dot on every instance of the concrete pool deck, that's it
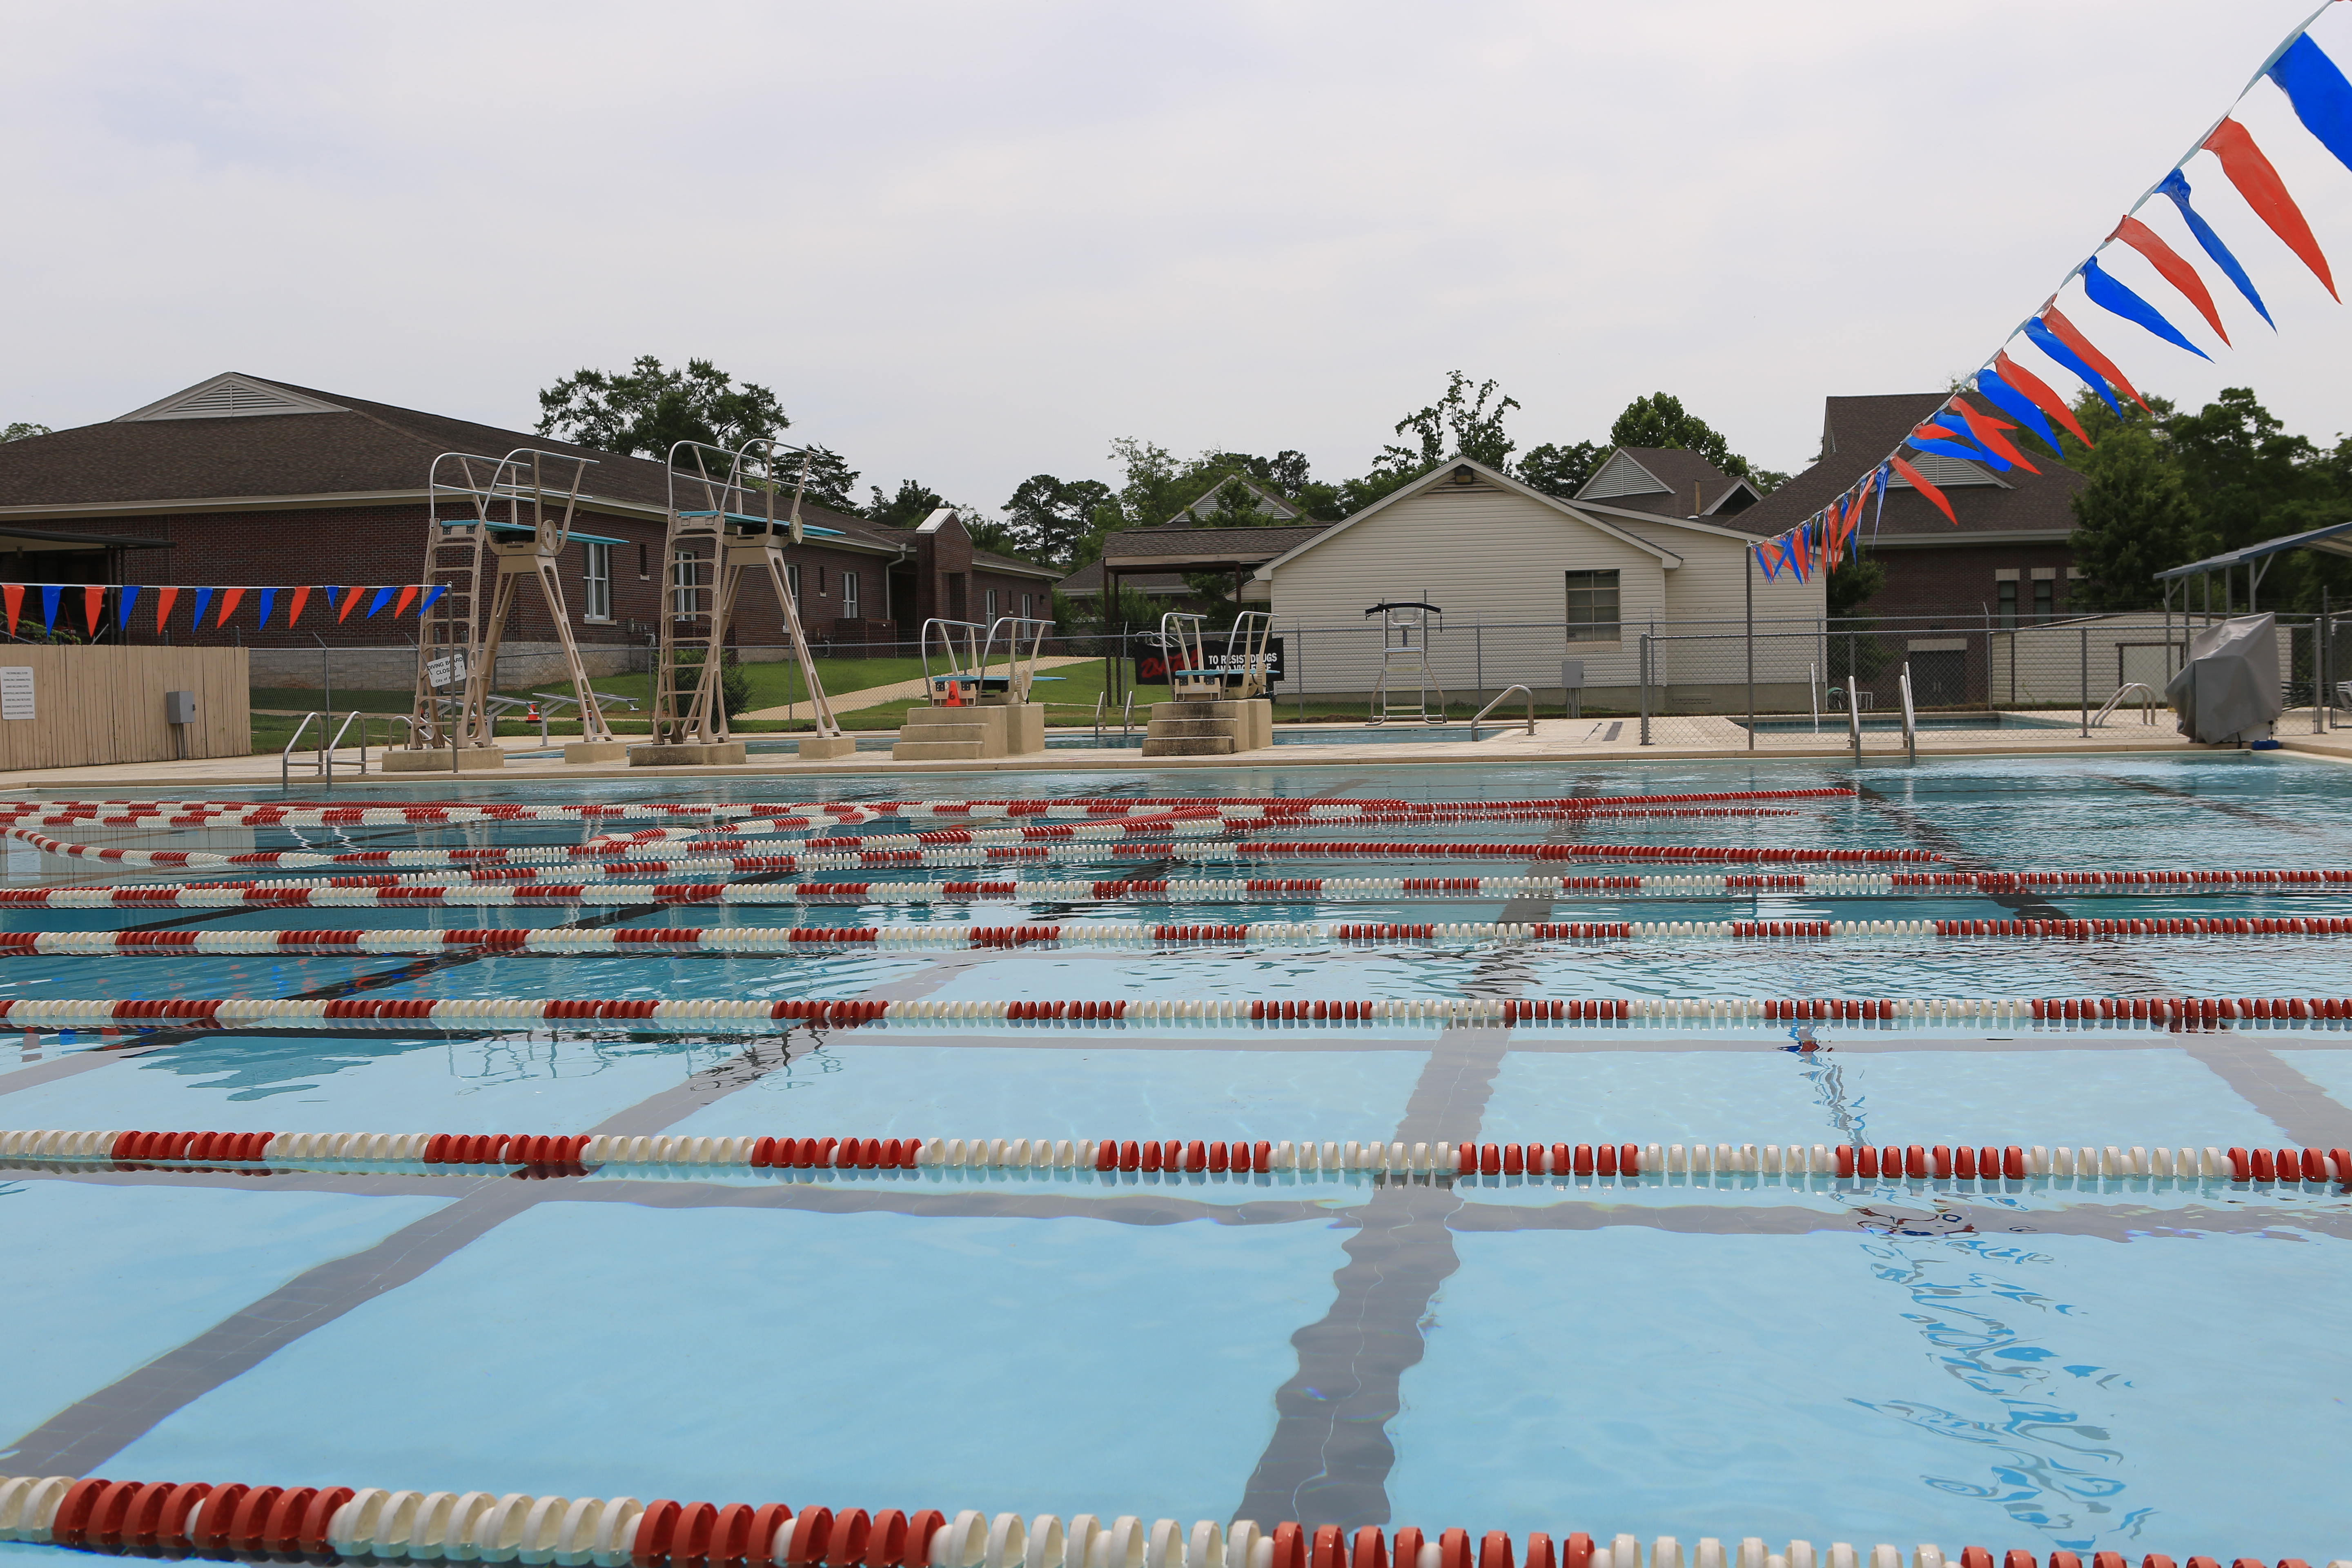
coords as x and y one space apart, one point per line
1677 738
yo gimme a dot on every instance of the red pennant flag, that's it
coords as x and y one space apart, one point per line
2038 392
1920 483
294 611
1983 428
407 597
2176 271
93 605
2091 357
14 593
350 597
2266 193
164 599
229 597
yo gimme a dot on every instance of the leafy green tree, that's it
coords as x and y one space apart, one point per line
1853 582
644 410
832 482
1560 470
913 502
23 429
1053 520
2132 520
1456 425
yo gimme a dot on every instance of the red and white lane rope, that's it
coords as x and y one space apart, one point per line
460 1152
660 941
238 1520
2159 1013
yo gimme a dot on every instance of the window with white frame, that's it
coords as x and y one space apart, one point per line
1025 601
989 599
1592 606
684 572
792 585
849 609
596 581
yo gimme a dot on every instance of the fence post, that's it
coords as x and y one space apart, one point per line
1644 666
2086 681
1747 583
1478 647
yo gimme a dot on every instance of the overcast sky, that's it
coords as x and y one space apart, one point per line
970 242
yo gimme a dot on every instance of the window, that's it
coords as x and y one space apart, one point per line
596 576
793 584
2005 593
642 571
1592 606
685 573
849 596
2045 606
1026 600
990 598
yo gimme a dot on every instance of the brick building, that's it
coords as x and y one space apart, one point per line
239 480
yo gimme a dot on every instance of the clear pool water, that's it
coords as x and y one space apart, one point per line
1835 723
2132 1366
1303 735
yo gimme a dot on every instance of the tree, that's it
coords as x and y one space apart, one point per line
1661 420
644 410
1560 470
1454 426
1851 582
1054 520
832 482
913 503
23 429
2132 520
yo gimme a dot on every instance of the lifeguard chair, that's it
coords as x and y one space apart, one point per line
1406 683
727 521
510 517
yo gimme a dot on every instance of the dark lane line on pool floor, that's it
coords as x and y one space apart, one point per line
2225 807
1329 1457
2302 1108
87 1433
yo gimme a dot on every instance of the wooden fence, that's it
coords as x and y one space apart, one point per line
64 706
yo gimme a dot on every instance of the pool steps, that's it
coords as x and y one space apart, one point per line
667 941
96 1514
1240 1156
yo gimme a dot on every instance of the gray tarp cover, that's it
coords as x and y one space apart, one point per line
2231 684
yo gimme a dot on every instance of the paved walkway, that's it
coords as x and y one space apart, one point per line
873 695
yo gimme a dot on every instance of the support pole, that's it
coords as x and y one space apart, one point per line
1644 670
2086 681
1747 585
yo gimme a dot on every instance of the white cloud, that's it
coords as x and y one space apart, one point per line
970 242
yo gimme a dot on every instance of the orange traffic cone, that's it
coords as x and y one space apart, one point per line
531 717
955 695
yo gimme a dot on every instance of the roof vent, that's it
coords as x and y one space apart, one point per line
1944 473
230 396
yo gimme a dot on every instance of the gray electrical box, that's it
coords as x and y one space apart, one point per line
1572 674
179 708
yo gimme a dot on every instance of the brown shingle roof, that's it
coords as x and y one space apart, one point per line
374 448
1856 432
1201 544
1087 579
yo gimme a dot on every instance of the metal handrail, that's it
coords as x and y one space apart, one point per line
1910 716
285 757
2147 702
1188 659
1020 667
972 633
1497 702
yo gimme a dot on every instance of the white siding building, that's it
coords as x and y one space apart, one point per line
1526 581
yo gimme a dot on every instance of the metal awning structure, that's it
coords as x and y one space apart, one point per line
50 539
2336 539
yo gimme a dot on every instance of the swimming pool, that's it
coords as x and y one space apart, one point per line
2136 1362
1835 723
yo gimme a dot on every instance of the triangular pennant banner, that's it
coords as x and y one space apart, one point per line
2175 270
229 600
269 600
432 596
1920 483
14 593
294 610
164 599
2038 391
407 594
2111 294
2266 193
129 596
203 601
2038 333
93 609
377 603
2175 186
2072 336
1983 428
351 602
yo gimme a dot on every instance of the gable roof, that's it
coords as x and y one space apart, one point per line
1493 480
238 441
1666 481
1271 504
1858 431
1140 548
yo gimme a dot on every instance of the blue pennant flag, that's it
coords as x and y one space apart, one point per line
2321 98
128 596
1949 449
2017 406
2176 185
49 592
432 593
2038 333
2113 296
268 598
1963 436
383 598
204 597
334 595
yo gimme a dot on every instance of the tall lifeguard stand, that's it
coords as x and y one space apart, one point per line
724 524
511 517
1405 627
